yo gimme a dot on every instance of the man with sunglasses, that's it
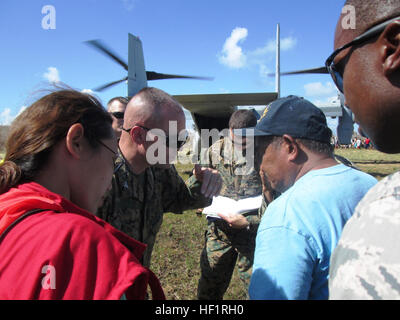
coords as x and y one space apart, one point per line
116 108
141 190
366 68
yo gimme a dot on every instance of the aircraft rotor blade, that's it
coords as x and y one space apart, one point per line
98 45
110 84
151 75
320 70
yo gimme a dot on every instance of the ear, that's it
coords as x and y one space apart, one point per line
291 147
138 135
390 53
74 140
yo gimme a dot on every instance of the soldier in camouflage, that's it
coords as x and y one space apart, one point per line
224 244
136 202
366 262
141 192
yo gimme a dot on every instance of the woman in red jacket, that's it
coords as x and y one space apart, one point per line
58 165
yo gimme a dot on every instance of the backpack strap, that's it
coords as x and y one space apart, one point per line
12 225
155 286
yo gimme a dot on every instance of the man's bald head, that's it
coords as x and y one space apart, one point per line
150 107
370 13
151 114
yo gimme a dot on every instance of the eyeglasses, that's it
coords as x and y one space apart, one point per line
168 139
107 147
115 154
337 73
129 130
118 114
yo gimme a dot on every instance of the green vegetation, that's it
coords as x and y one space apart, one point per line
176 255
373 162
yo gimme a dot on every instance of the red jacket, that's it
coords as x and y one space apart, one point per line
65 252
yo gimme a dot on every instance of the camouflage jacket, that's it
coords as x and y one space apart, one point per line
366 262
136 202
239 181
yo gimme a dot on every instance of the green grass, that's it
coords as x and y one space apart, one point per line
176 255
373 162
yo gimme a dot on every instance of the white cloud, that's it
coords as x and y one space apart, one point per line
232 54
326 101
22 109
287 43
318 89
52 75
263 55
267 49
88 91
129 4
6 117
264 71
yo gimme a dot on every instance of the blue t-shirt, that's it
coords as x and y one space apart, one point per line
299 231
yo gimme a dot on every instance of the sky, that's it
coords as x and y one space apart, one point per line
229 40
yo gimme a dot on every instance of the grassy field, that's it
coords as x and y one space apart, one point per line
373 162
177 250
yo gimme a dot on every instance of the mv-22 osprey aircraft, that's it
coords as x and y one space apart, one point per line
211 111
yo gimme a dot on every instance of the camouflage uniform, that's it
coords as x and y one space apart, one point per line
223 244
366 262
136 202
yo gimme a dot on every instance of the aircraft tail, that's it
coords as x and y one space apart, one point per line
137 78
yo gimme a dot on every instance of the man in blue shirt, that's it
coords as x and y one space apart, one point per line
301 228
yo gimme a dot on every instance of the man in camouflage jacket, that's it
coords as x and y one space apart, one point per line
136 203
224 244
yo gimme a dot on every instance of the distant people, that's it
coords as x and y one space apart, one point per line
141 191
58 165
300 228
230 242
367 143
358 144
116 107
366 262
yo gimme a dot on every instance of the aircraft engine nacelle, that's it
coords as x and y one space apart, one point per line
345 127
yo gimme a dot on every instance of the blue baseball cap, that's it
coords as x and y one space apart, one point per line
296 117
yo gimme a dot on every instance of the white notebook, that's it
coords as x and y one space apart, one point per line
231 207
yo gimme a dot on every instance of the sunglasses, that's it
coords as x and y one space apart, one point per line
337 73
118 115
168 140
